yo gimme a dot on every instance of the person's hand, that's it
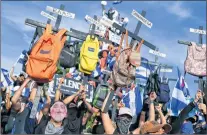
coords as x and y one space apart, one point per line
152 96
158 108
62 80
198 95
68 75
202 107
82 89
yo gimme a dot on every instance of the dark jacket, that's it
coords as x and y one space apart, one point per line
40 129
176 126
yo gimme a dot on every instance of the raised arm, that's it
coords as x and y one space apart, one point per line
70 98
8 95
11 74
58 93
152 97
19 91
162 117
107 123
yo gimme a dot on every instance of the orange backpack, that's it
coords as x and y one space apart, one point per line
42 62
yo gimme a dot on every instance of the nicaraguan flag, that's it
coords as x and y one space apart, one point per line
21 57
180 96
5 80
134 100
117 1
143 71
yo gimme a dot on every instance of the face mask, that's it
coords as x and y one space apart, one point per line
58 111
123 124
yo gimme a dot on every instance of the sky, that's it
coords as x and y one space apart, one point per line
171 22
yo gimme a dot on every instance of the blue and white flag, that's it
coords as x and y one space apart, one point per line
180 96
134 100
117 1
21 57
143 71
5 80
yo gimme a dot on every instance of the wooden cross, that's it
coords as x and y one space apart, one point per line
200 81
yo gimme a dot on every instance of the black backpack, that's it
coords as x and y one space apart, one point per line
69 55
153 83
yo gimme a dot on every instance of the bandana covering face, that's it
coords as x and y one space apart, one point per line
58 111
123 124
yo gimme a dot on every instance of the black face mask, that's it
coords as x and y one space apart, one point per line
123 124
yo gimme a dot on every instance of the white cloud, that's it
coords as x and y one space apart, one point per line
178 9
8 62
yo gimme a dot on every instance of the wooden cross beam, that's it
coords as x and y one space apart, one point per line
135 37
139 24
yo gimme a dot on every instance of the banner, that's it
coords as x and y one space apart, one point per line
71 86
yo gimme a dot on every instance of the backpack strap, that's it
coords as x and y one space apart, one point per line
61 33
60 36
120 45
139 45
48 29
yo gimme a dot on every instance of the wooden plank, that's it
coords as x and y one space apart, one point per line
35 24
148 44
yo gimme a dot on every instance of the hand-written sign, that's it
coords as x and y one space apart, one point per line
114 38
142 19
91 20
165 70
198 31
71 86
48 16
60 12
157 53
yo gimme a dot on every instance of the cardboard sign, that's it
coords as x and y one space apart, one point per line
91 20
71 86
166 70
60 12
114 38
48 16
106 22
157 53
198 31
142 19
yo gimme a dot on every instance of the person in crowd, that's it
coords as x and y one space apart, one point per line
177 124
17 80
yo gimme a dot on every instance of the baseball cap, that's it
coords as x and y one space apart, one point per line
125 110
153 126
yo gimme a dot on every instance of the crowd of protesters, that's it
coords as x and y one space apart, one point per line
73 114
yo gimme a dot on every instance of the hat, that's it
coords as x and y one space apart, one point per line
104 48
125 110
153 126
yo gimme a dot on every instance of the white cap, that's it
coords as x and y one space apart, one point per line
105 46
125 110
103 3
126 20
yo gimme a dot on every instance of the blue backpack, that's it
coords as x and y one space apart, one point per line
164 93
